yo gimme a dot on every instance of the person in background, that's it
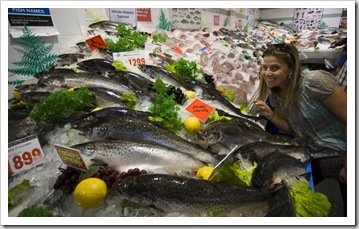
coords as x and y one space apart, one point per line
342 76
343 55
306 104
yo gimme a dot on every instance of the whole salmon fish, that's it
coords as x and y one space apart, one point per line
123 155
134 129
171 193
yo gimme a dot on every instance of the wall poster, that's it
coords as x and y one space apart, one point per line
307 18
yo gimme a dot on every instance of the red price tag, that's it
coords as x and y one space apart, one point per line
96 42
200 109
24 154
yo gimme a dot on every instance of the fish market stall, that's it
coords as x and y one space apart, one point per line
156 123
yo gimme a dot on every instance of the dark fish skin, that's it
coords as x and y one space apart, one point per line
130 128
171 78
188 195
281 204
106 114
256 151
104 25
96 65
69 58
87 79
138 83
108 98
52 72
105 53
274 168
210 93
31 98
235 132
25 88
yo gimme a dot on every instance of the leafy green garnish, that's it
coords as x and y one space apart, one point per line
35 211
215 117
228 94
130 97
18 192
244 108
171 67
186 69
307 202
238 173
119 66
60 105
129 39
165 108
159 38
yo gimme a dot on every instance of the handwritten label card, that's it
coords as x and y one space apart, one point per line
71 157
24 154
96 42
200 109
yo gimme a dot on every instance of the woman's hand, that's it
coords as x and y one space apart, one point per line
263 109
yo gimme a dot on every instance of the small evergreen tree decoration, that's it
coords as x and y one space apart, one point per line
164 23
35 57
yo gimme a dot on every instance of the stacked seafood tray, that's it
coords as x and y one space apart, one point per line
149 168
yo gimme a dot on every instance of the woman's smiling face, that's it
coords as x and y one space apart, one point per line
275 72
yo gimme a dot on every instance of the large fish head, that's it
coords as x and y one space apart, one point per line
96 132
137 189
55 81
209 135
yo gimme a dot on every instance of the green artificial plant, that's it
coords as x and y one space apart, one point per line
36 57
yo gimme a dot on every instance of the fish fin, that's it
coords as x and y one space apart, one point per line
98 162
306 175
298 141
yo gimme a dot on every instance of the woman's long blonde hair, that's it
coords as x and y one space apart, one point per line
289 54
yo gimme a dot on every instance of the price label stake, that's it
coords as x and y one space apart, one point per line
71 157
24 154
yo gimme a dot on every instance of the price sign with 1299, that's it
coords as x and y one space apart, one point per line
133 58
24 154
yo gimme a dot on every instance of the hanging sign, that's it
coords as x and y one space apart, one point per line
144 14
200 109
216 20
71 157
96 42
124 15
29 17
24 154
39 19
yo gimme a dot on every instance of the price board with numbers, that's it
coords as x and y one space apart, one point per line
133 58
24 154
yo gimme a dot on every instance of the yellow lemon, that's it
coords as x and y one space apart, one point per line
17 95
72 89
96 109
90 192
204 172
192 125
190 94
